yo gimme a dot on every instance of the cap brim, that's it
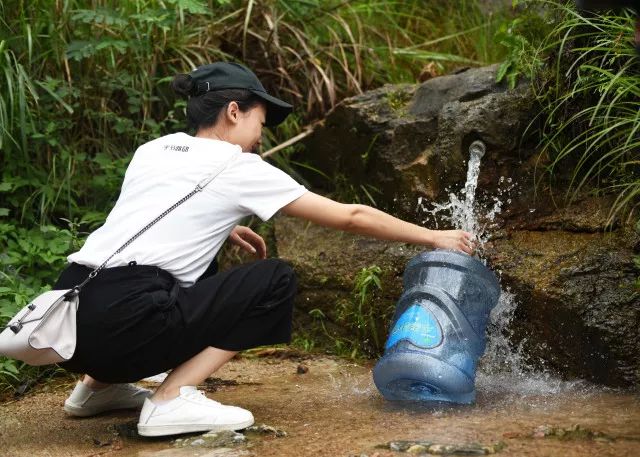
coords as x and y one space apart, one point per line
277 110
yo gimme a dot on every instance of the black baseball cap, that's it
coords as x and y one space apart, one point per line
228 75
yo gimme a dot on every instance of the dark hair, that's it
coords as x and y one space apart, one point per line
204 109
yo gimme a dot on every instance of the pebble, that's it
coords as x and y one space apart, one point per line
426 447
266 430
417 449
213 440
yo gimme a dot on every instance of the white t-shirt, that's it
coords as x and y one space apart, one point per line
186 240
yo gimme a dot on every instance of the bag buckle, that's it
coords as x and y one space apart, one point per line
15 328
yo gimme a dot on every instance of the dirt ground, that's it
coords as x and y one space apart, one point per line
333 409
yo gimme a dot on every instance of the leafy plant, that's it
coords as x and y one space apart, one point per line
30 262
518 48
591 104
360 314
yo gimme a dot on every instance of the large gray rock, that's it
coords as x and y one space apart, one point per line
577 312
401 142
578 307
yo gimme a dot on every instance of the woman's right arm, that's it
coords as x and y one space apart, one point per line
366 220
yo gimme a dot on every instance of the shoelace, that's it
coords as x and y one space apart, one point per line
200 396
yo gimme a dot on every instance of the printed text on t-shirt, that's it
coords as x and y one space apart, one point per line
175 147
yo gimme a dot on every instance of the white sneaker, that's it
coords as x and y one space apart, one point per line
84 401
190 412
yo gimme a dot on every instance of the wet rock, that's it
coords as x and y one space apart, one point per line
429 448
578 309
401 142
265 429
223 439
573 432
577 312
404 446
587 214
417 449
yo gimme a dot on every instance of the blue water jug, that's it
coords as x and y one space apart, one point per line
438 330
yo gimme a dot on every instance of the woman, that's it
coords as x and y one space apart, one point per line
159 306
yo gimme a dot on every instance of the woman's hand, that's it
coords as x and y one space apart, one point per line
248 240
458 240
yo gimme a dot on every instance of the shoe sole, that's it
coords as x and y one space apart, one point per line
164 430
80 411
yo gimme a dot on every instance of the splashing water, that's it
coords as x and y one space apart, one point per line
463 212
476 152
503 368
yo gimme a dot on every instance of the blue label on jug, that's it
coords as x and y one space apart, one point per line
417 325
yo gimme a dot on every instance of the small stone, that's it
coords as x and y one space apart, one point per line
101 443
266 429
212 440
440 449
542 431
417 449
399 446
302 369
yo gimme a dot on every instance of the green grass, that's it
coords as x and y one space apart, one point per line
86 84
590 97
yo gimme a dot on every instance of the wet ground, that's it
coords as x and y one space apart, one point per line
333 409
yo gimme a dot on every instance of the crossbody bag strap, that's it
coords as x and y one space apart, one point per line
199 187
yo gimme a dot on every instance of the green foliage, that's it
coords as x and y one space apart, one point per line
324 51
520 38
590 98
30 262
304 342
345 191
84 85
360 314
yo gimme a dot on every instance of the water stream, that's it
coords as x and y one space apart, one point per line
503 369
334 410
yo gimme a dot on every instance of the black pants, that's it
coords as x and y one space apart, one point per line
136 321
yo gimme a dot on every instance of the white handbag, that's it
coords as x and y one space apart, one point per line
44 331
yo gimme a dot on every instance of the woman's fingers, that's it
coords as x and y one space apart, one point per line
250 241
469 244
258 244
238 241
457 240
